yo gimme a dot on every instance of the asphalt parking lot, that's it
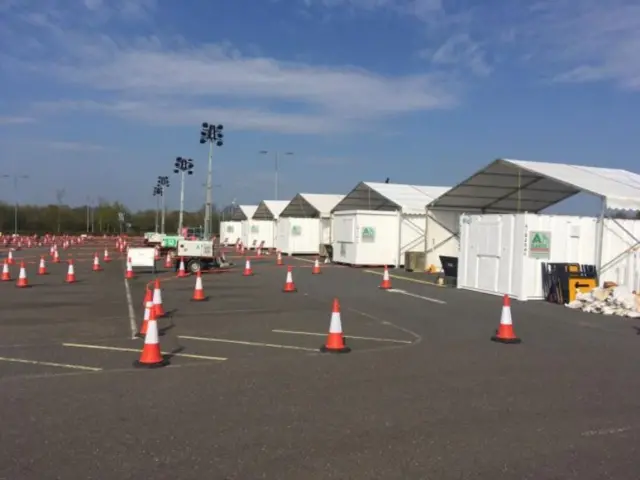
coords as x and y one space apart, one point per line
423 395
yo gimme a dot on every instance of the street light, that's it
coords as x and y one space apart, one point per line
163 183
213 135
15 190
182 166
157 192
277 161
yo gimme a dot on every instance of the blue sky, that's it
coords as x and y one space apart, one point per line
100 96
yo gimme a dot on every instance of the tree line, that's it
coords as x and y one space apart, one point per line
104 218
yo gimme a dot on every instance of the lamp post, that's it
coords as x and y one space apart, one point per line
60 193
157 192
15 178
163 183
277 161
213 135
183 166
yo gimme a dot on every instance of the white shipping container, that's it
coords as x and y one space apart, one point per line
299 236
495 254
230 231
263 230
363 237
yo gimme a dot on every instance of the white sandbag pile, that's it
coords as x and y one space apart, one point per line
616 300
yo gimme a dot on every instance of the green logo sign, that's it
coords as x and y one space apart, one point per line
296 230
255 229
539 244
368 234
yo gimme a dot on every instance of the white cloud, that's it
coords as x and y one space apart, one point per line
589 40
9 120
567 40
460 50
73 146
167 81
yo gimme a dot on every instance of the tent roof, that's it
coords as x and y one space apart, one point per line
520 186
311 205
243 212
270 209
410 199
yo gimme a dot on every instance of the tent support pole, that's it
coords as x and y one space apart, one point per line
600 237
426 238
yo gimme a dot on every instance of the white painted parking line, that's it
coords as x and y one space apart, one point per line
409 294
252 344
50 364
372 339
406 279
132 315
605 431
124 349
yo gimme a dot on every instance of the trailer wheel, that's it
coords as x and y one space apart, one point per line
194 266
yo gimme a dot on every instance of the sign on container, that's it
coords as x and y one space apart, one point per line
143 257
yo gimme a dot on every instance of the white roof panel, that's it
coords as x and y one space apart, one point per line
270 209
311 205
244 212
410 199
507 185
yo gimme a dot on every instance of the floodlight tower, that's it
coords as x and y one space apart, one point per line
184 167
213 135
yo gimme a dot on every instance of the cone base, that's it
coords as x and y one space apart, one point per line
97 269
381 287
316 273
23 286
247 274
162 363
204 299
43 274
289 290
325 349
514 340
70 281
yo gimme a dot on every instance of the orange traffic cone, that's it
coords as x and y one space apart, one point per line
129 273
289 286
22 277
279 259
158 309
56 256
42 268
335 340
505 333
151 356
182 272
167 261
96 263
10 259
6 273
106 258
386 281
247 269
198 292
148 314
148 297
71 274
316 268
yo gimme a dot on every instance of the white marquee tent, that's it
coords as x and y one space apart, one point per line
305 223
376 223
502 202
264 222
239 224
